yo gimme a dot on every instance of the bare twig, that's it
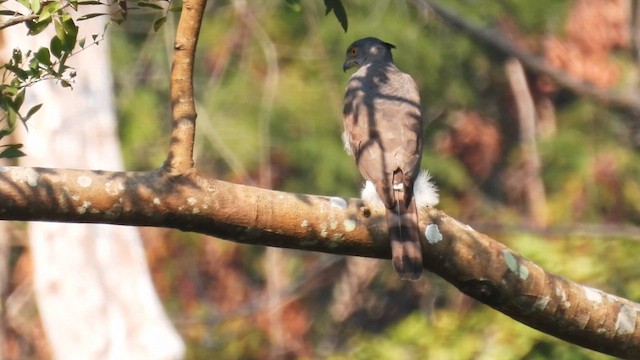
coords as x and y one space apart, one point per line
476 264
533 186
180 157
628 100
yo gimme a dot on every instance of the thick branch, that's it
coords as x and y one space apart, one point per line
183 106
629 100
479 266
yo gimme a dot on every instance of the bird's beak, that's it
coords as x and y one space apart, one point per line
348 64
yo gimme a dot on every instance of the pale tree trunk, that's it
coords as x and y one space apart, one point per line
4 276
93 287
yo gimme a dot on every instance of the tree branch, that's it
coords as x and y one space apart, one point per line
17 19
628 100
476 264
180 157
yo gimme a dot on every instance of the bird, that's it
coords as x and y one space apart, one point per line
383 132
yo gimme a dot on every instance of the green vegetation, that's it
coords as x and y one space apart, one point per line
290 118
269 88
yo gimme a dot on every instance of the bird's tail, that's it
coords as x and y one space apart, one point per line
404 235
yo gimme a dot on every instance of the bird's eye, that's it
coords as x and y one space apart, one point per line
353 51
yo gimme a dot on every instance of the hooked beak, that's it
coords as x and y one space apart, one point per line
348 64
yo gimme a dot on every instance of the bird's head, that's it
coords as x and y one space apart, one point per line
367 50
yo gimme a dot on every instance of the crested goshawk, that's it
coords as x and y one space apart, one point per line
383 132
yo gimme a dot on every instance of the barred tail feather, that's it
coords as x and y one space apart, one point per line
404 235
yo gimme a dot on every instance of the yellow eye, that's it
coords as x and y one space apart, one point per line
353 51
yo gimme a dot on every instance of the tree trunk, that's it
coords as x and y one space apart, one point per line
93 287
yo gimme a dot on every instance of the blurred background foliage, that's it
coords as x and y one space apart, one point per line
269 86
269 89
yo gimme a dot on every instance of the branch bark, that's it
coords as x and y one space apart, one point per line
628 100
17 19
183 106
476 264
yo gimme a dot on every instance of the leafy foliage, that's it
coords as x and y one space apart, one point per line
589 172
27 67
338 10
282 124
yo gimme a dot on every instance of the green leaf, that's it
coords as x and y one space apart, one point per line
59 29
20 73
56 47
71 35
45 14
18 100
35 6
12 151
36 27
12 116
81 42
338 10
89 16
9 91
32 111
65 84
158 23
44 56
5 132
150 5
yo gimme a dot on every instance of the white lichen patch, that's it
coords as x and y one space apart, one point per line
83 208
304 224
626 321
513 265
523 272
84 181
592 294
564 302
191 200
28 175
195 211
75 197
338 202
333 225
113 188
349 225
541 303
337 237
432 233
323 231
156 201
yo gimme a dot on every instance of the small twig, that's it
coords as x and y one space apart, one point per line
180 157
533 186
15 20
628 100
